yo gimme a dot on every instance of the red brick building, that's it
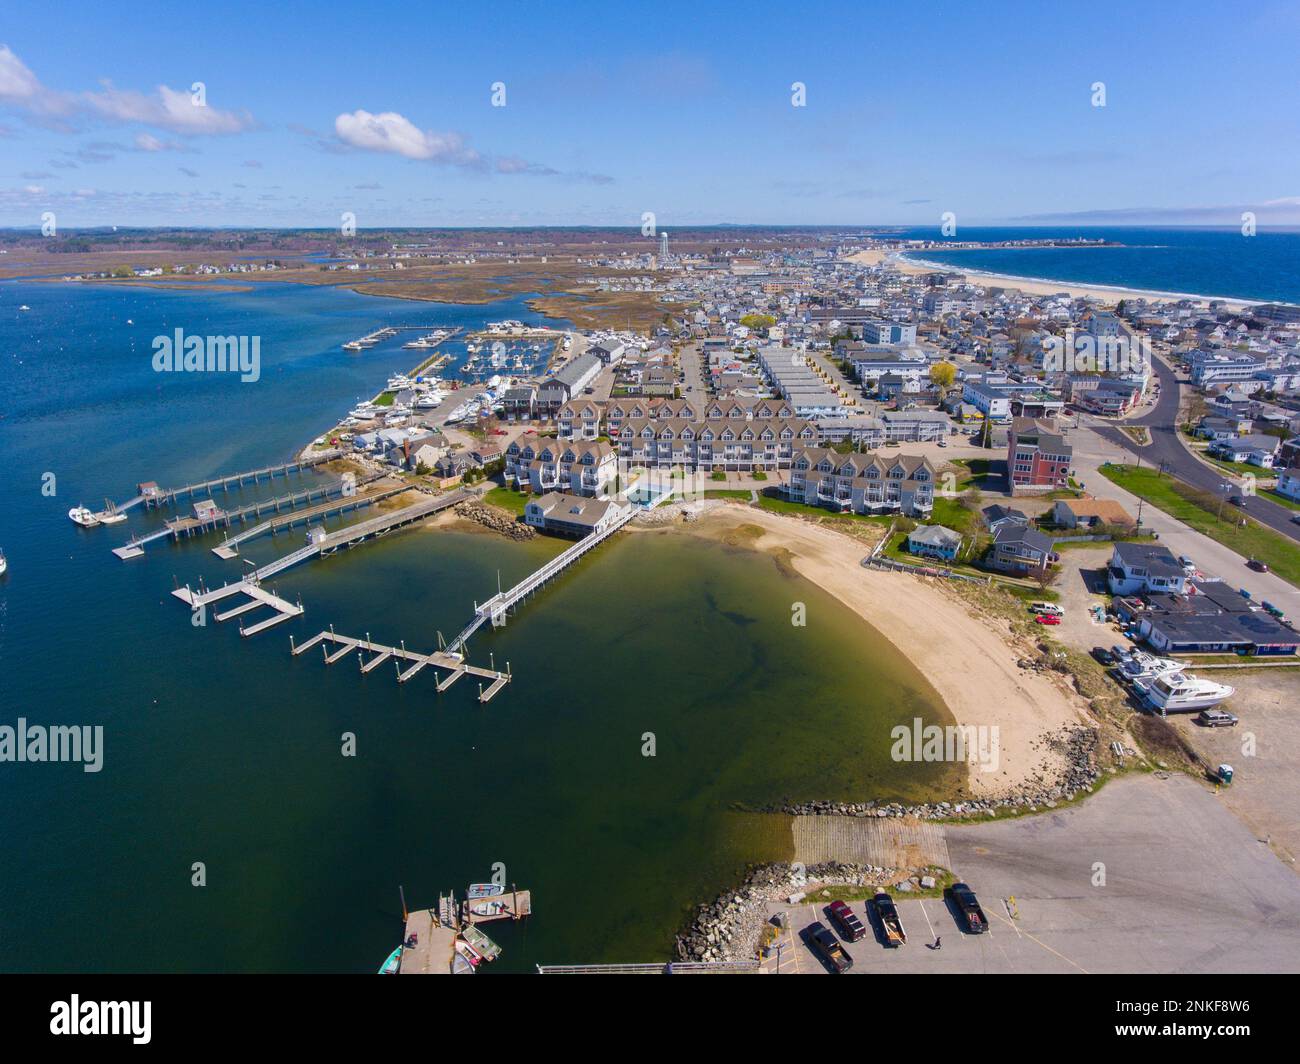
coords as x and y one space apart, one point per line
1038 458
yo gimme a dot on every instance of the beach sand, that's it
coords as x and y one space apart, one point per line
969 659
1037 288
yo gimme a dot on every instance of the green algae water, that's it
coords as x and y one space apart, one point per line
228 752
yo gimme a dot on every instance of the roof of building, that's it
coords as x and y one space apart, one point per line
1106 510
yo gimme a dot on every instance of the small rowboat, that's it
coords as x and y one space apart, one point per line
464 949
489 908
484 890
460 966
394 962
481 944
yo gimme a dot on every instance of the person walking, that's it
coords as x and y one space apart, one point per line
938 942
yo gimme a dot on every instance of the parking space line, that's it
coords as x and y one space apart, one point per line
1039 942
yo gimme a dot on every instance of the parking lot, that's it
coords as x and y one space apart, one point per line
1149 875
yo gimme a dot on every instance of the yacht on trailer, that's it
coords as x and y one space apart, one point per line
1174 692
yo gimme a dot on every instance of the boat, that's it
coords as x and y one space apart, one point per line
24 307
83 517
1174 692
460 966
465 950
480 943
110 517
4 565
393 964
488 909
1139 665
484 890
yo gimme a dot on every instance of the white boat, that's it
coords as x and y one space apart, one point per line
24 307
1174 692
4 565
110 517
428 401
83 517
1140 665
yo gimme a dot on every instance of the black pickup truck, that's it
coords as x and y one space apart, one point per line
971 916
820 938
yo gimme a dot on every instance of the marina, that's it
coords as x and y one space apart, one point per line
448 941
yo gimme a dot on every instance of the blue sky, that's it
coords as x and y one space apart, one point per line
385 110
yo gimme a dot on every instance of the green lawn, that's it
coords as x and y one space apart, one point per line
785 506
1281 500
1199 509
726 493
952 514
508 499
385 399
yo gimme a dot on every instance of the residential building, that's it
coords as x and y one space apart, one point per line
567 382
1020 549
934 541
1087 513
544 463
862 483
572 515
1038 458
1142 567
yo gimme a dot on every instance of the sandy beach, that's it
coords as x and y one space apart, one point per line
968 659
1105 293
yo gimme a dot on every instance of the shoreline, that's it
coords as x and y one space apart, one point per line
1045 286
971 663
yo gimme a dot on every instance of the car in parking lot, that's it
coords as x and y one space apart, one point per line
1216 718
821 940
1048 608
851 928
1047 618
971 917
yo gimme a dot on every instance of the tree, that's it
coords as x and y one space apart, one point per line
758 322
942 374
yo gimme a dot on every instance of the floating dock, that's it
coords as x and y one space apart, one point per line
407 663
515 905
257 596
435 945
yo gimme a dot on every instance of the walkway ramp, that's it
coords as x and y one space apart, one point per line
891 842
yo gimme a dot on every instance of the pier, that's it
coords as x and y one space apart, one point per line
496 608
189 526
407 663
653 968
227 548
152 495
257 596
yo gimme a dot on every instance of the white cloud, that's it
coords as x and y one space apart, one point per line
391 132
165 108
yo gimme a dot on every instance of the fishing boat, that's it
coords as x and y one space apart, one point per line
481 944
81 516
484 890
110 515
393 964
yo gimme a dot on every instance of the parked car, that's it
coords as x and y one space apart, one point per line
1047 608
1216 718
1047 618
851 928
1103 656
819 938
1257 565
971 917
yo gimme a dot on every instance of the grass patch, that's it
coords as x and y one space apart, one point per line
1281 500
1199 510
385 398
952 514
508 499
775 504
726 493
848 892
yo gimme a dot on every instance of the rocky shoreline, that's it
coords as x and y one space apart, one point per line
728 928
1077 744
495 519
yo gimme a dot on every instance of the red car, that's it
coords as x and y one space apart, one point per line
851 928
1044 618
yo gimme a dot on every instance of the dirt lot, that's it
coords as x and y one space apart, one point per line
1264 749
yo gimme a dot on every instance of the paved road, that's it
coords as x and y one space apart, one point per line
1148 875
1162 424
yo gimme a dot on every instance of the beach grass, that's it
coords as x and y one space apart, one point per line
1200 510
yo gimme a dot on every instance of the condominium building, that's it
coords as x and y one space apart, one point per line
862 483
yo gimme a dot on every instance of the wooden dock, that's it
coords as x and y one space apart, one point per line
435 945
407 663
227 548
516 905
257 596
152 495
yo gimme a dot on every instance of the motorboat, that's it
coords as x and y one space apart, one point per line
484 890
1174 692
1139 665
4 565
393 964
83 517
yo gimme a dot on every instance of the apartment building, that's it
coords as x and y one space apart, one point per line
863 483
718 444
1038 458
545 463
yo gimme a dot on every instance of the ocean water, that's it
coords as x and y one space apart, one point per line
1190 261
227 751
